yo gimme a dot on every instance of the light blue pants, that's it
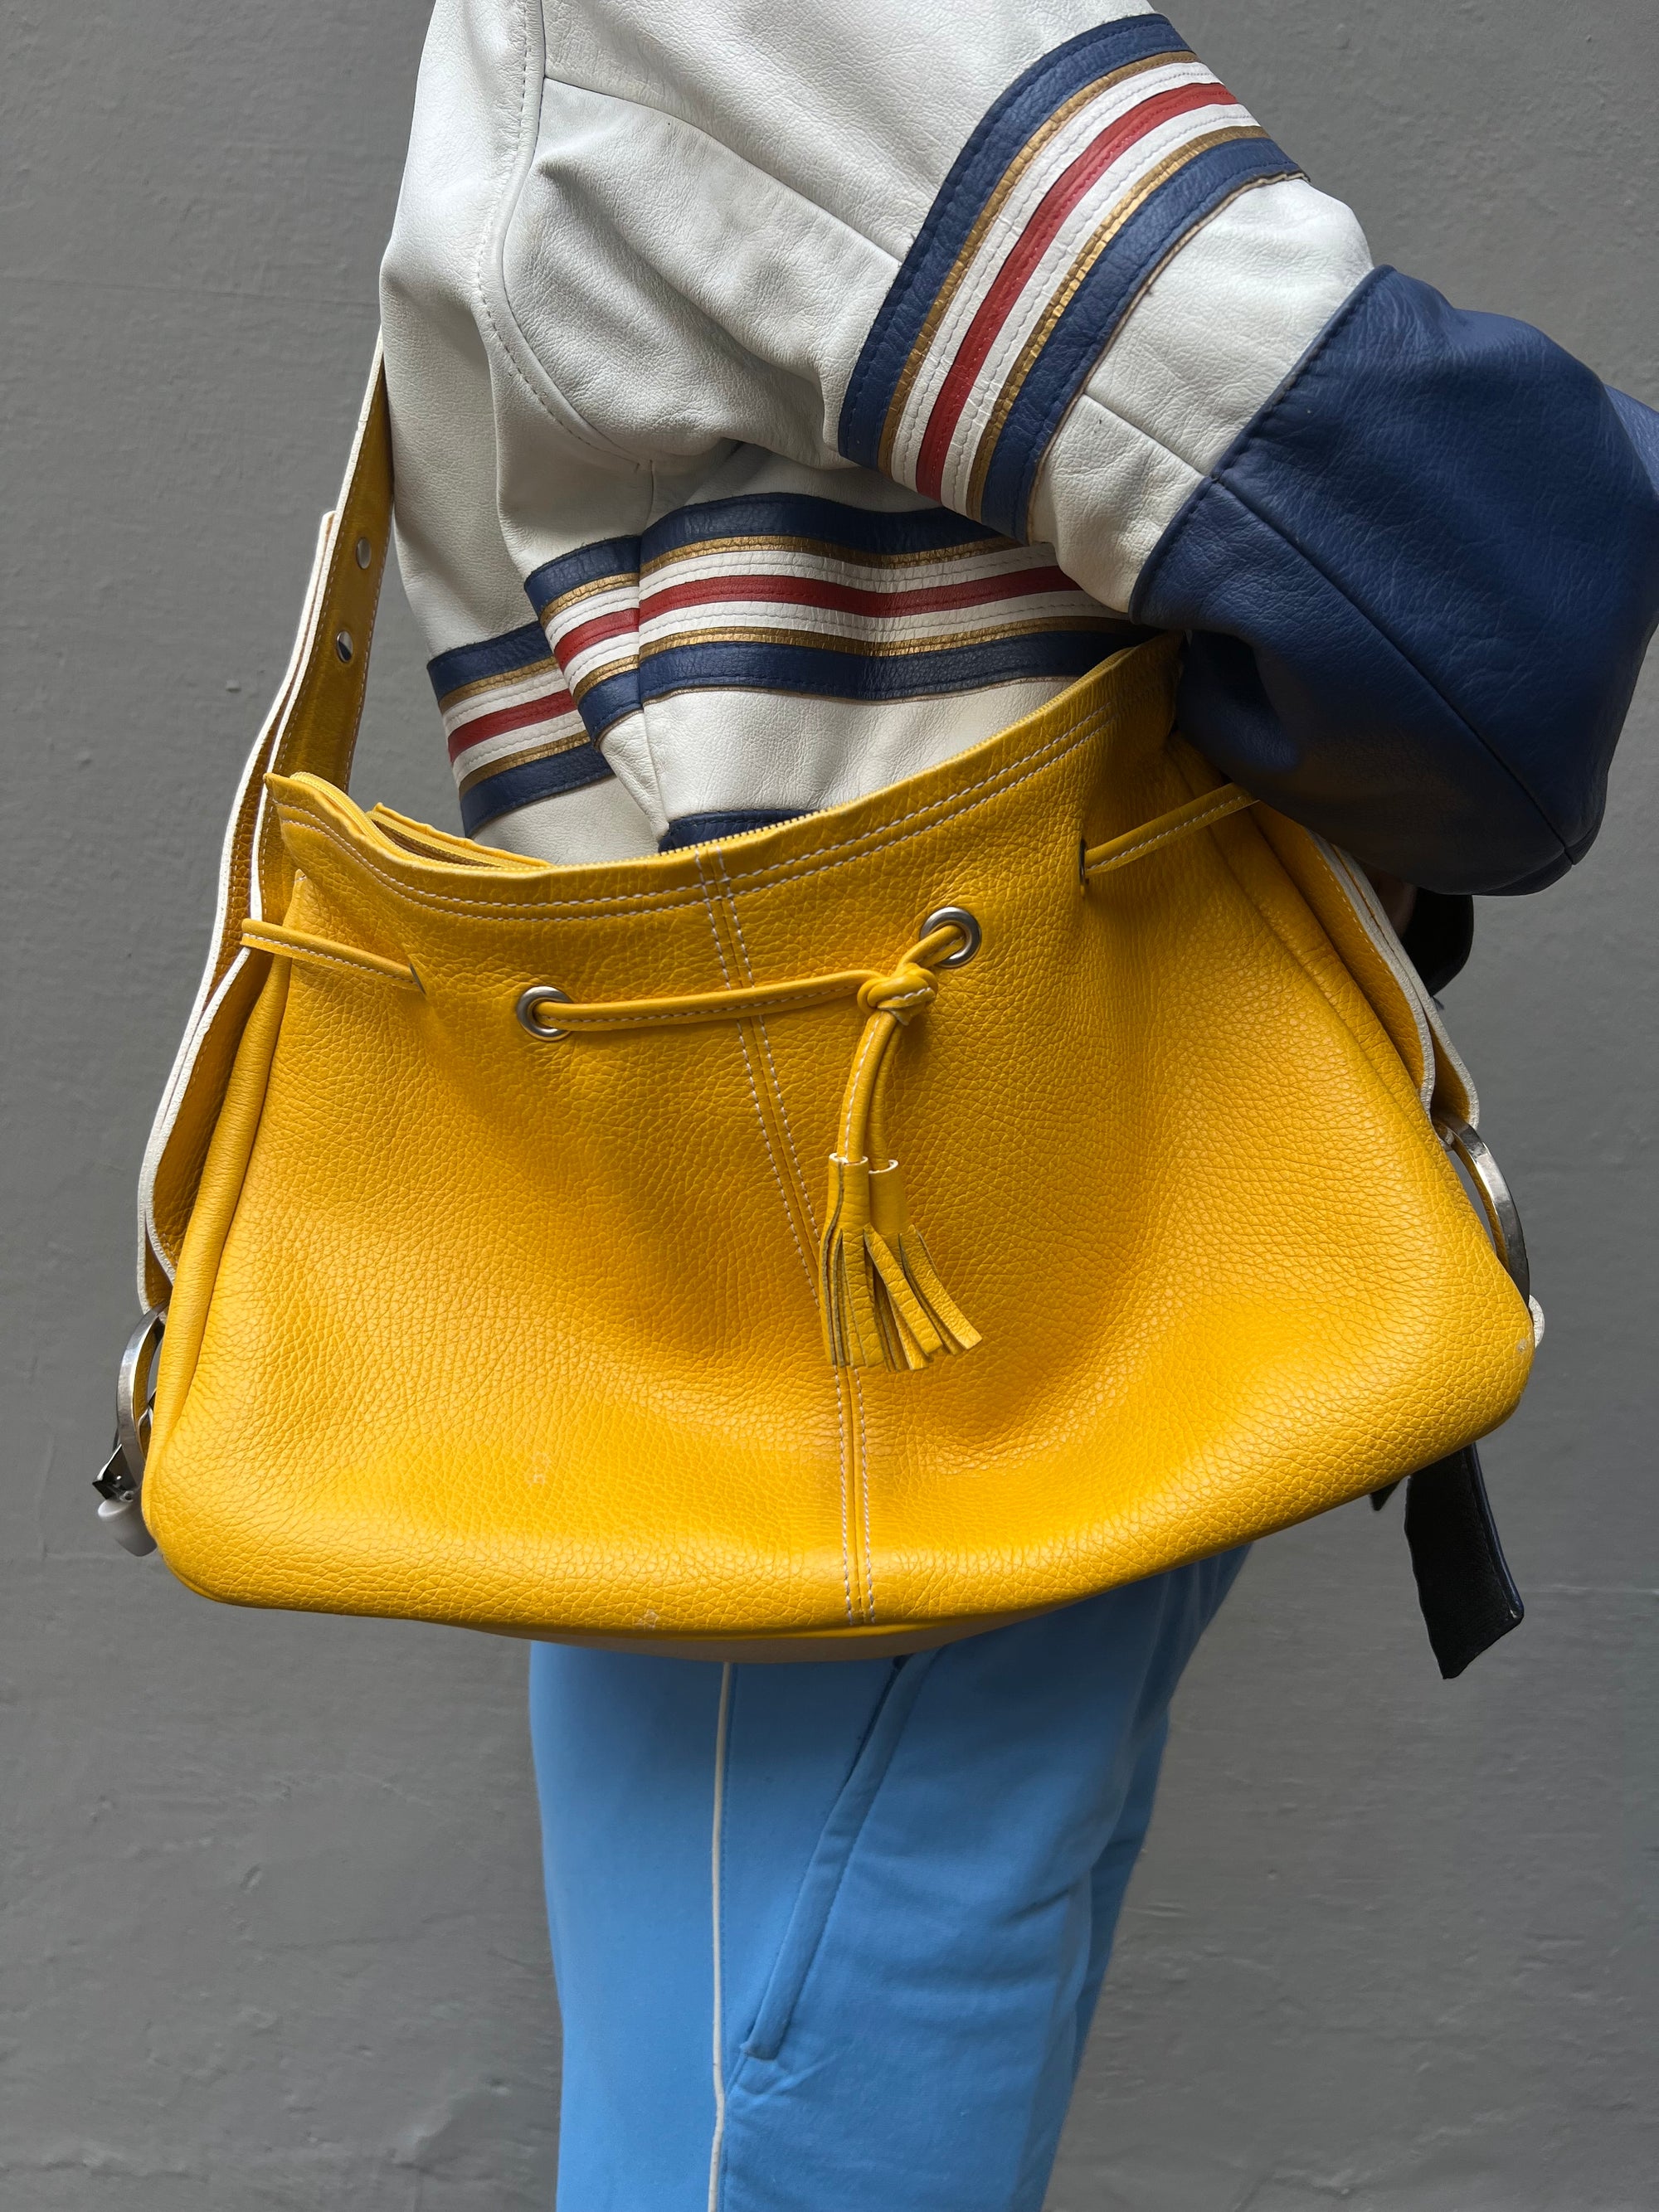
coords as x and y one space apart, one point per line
829 1937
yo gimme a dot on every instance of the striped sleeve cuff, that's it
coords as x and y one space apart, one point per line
1081 181
515 734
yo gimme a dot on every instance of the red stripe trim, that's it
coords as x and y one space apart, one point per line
1033 242
848 599
521 717
619 624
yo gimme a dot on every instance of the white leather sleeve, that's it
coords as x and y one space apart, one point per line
826 372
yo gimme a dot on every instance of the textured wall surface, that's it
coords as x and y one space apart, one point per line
269 1920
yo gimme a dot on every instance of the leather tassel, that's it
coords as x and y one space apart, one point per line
882 1302
852 1333
918 1317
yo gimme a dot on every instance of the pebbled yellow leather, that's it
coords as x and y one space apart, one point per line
525 1335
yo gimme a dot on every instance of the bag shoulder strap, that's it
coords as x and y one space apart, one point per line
311 726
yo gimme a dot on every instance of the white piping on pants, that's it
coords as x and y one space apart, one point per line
722 1731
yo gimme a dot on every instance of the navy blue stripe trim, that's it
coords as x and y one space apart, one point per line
703 829
1099 305
606 703
1012 118
862 530
496 795
493 656
813 672
588 564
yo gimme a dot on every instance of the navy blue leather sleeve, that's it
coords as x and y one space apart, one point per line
1419 588
1642 427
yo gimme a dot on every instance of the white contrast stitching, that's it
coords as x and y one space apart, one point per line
766 1041
863 1486
846 1533
723 1753
492 246
878 839
795 1234
754 1094
1231 804
784 1002
284 950
813 1220
866 1045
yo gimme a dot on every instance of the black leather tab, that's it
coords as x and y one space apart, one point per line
1439 937
1463 1583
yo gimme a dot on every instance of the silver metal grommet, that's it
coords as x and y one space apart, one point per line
364 552
342 644
528 1007
954 917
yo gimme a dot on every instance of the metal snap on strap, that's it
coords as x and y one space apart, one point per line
954 917
342 644
539 995
364 552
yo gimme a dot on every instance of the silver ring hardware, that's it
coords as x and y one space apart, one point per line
364 552
122 1476
342 644
135 1390
536 997
954 917
1496 1202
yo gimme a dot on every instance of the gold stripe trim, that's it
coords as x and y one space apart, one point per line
580 690
904 648
1102 238
565 744
475 690
987 215
823 548
1245 185
581 591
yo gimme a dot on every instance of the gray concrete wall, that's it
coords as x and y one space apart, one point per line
269 1920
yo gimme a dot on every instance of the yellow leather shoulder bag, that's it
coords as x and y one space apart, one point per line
836 1239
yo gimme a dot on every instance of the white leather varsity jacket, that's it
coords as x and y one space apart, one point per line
787 396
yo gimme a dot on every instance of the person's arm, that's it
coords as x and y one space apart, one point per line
1049 272
1420 585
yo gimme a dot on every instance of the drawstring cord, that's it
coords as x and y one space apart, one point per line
879 1295
880 1298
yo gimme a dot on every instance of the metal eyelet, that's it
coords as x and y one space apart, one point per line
537 996
343 645
954 917
364 552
